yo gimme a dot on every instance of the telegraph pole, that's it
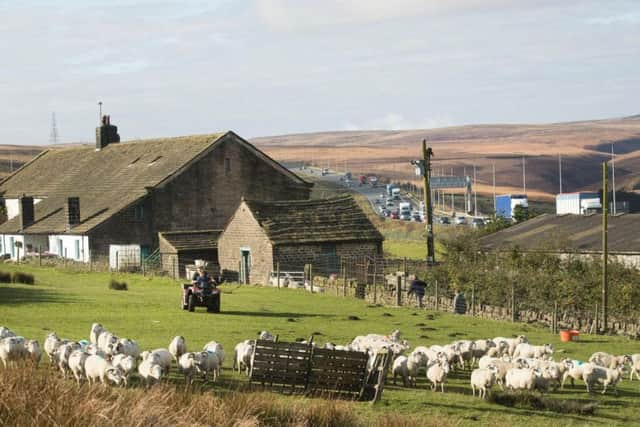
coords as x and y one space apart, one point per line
524 176
423 167
613 181
475 193
560 171
605 248
493 167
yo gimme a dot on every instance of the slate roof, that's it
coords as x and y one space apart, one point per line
191 240
106 181
559 233
314 221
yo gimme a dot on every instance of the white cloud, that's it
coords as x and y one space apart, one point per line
395 121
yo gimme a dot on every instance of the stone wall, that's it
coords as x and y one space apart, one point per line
243 231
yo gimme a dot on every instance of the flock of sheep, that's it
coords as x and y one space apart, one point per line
512 363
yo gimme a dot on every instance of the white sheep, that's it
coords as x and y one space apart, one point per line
635 366
209 363
574 372
33 351
437 374
160 356
465 349
483 379
127 365
105 340
6 332
190 365
521 379
51 345
481 348
94 333
407 368
11 350
76 363
266 336
124 346
527 350
217 349
511 343
177 347
607 360
242 354
62 356
97 368
150 371
592 373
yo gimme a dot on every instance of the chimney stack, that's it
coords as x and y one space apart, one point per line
27 211
72 212
106 134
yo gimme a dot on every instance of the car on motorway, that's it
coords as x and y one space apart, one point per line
405 216
477 222
390 203
416 217
386 212
394 215
460 220
377 201
444 220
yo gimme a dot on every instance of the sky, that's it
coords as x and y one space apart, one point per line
270 67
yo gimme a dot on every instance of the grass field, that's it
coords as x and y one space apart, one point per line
149 312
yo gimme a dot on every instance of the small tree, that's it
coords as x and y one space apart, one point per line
520 213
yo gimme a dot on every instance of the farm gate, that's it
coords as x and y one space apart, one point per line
301 368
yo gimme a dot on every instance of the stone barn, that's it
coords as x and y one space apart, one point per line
179 249
294 233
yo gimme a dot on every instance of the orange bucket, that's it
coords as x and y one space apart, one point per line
575 335
565 336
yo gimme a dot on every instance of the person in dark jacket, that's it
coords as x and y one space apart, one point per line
201 279
459 303
417 288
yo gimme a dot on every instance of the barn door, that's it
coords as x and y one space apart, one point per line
245 265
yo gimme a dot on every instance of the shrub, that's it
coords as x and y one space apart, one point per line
24 278
5 277
118 286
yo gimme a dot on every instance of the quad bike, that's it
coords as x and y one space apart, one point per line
194 296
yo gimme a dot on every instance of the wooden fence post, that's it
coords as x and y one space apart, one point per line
311 276
554 325
473 298
344 279
437 297
399 291
278 272
513 301
64 259
375 286
40 256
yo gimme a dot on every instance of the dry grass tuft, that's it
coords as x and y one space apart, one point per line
36 397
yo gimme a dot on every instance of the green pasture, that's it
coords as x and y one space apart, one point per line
149 312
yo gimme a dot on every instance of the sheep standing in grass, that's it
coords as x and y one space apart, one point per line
481 348
521 379
217 349
127 347
635 366
62 356
127 365
150 372
11 350
33 351
94 333
160 356
437 374
407 368
592 374
96 368
209 363
6 332
511 343
607 360
527 350
76 363
465 351
190 365
482 380
51 345
242 356
177 347
105 340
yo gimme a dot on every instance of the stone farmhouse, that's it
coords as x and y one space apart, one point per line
78 202
322 232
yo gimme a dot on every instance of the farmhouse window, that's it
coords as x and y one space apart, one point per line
139 213
227 166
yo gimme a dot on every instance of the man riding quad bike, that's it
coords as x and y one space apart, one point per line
201 292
